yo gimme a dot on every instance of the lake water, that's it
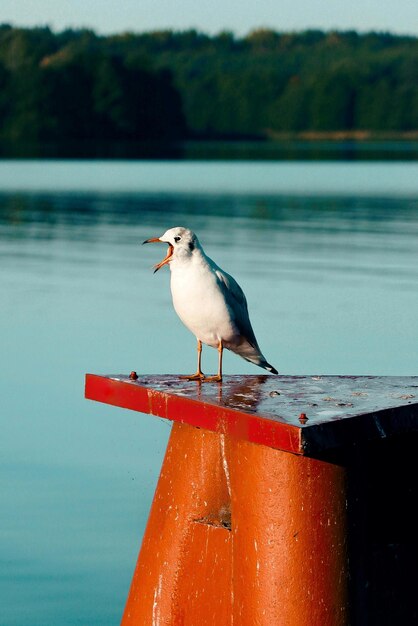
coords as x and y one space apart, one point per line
327 255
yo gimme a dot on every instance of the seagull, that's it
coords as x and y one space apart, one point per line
209 302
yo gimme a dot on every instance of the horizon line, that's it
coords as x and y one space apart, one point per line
210 34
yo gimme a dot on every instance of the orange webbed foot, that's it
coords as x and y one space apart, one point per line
198 376
213 379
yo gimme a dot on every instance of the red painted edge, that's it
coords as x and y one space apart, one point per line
232 422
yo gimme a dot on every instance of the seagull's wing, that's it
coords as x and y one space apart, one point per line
237 304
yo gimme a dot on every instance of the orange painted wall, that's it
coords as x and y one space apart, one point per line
241 534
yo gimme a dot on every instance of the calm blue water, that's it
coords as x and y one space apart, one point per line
327 255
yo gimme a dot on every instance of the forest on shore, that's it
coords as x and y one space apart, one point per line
169 86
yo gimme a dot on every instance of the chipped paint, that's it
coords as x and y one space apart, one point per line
225 463
156 604
380 427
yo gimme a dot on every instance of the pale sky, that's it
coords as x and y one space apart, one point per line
212 16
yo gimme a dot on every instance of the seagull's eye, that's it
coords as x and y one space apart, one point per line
177 239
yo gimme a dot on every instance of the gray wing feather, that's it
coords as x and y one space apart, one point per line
237 304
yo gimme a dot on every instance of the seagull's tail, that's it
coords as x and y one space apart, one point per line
268 367
252 353
258 359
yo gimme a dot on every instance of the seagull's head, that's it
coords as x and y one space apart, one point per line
181 244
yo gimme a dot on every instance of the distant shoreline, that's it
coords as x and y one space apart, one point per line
308 145
92 93
343 135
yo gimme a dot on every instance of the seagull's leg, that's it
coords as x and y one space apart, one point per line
220 353
218 377
199 358
199 374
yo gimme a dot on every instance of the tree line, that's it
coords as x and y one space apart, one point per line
78 86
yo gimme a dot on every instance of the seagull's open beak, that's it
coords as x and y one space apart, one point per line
167 257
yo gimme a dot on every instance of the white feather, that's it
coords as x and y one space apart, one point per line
208 300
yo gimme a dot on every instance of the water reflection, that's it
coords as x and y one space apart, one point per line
348 150
332 287
244 394
332 236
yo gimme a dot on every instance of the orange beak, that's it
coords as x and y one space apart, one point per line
167 258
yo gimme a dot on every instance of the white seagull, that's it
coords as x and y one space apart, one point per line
209 302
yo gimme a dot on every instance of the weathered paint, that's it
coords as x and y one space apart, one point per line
244 534
204 595
272 551
289 538
191 490
336 410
